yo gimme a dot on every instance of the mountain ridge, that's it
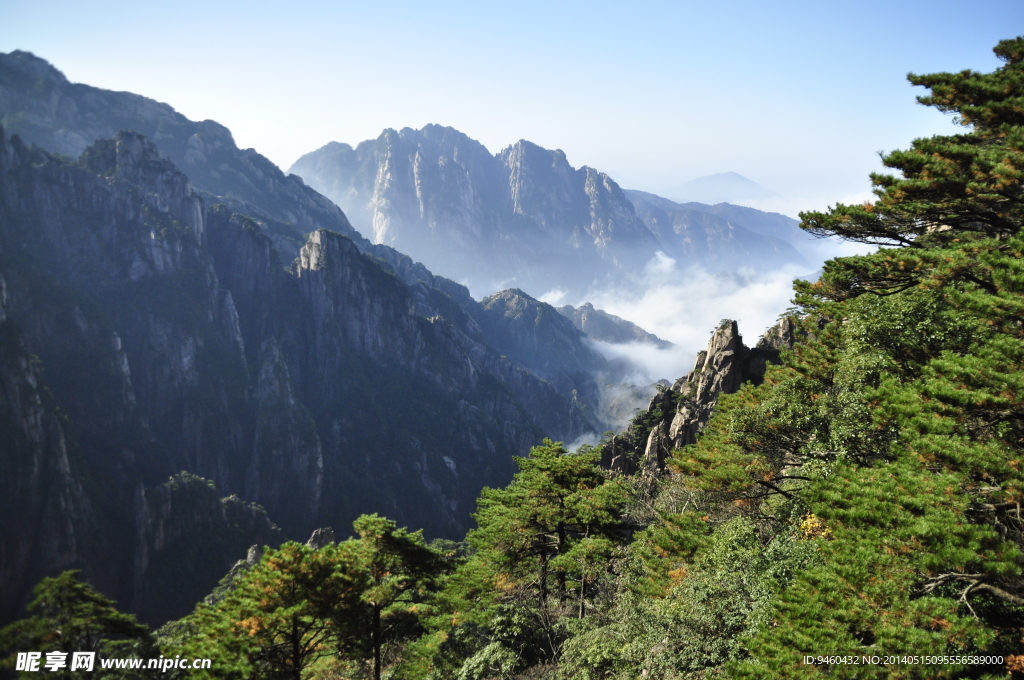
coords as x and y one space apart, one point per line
520 217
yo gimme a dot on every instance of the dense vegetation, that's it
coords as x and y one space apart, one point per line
863 501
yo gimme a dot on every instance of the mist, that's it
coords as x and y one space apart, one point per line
684 306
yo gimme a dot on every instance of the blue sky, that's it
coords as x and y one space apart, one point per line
799 96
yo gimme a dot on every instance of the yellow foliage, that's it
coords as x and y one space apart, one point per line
812 526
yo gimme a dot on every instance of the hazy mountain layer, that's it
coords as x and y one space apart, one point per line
600 325
523 216
722 187
759 222
712 236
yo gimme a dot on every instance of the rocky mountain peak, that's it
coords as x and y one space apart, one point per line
676 415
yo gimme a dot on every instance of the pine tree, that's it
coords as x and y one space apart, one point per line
70 616
277 619
539 546
924 555
397 572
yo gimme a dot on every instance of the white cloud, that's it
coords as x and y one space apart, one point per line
554 297
685 306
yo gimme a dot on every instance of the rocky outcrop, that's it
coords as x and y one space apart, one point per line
600 325
321 537
187 538
523 216
678 413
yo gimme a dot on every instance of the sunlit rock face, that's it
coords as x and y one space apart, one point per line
523 217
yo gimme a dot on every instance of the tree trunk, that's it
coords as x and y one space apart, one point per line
543 580
296 651
562 546
376 642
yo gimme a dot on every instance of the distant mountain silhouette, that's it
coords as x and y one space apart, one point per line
723 187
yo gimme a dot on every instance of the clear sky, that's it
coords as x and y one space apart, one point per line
796 95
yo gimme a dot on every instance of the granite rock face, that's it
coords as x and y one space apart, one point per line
678 413
169 336
523 216
44 512
534 335
321 538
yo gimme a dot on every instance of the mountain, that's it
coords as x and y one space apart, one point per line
40 105
200 352
600 325
723 187
523 216
713 236
146 332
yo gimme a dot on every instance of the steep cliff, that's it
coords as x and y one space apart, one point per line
38 103
534 335
44 513
678 413
523 216
173 338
